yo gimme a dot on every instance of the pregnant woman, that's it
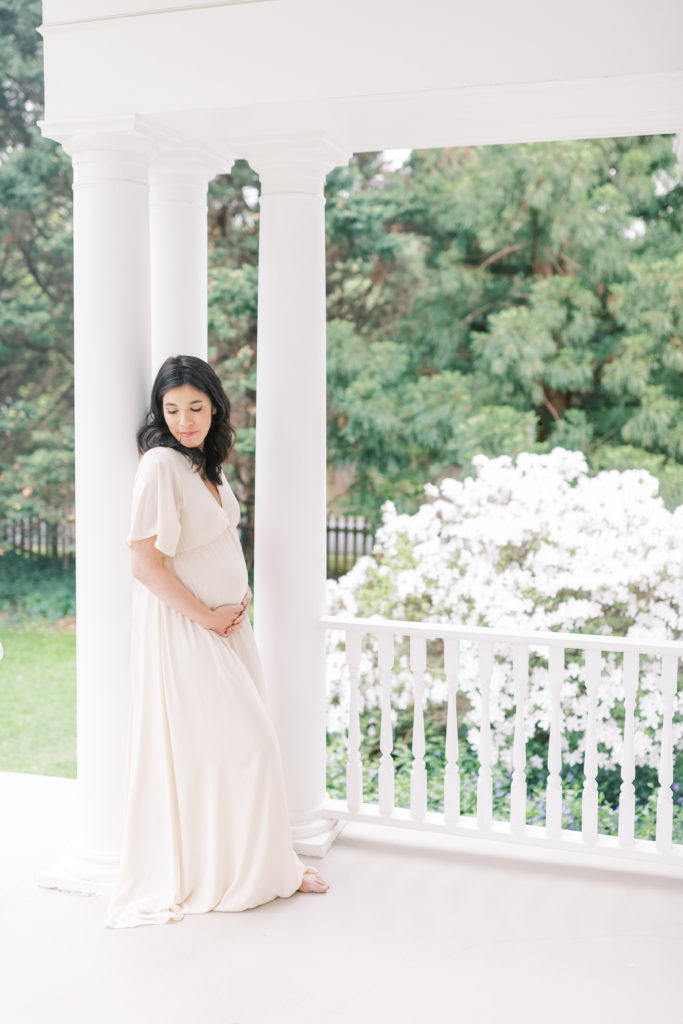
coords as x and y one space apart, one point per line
206 823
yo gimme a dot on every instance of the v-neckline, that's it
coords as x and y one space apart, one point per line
219 499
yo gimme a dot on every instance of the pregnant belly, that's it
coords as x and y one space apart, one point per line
215 573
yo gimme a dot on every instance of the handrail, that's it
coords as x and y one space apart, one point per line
547 638
665 849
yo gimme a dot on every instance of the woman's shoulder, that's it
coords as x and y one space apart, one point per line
164 461
163 456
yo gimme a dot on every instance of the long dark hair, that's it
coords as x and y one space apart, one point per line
173 373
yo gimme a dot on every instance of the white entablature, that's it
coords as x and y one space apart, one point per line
371 74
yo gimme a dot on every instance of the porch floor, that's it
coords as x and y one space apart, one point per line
415 928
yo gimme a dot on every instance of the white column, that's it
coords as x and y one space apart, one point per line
290 514
111 352
178 239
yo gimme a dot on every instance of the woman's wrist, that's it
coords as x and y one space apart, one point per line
208 618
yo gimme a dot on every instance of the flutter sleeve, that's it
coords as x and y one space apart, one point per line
157 501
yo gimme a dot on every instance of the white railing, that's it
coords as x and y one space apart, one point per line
624 845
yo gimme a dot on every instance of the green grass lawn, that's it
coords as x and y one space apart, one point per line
38 703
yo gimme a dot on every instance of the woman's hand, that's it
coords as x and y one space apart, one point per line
225 619
229 617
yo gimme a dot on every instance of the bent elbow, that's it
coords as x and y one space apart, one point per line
146 560
142 570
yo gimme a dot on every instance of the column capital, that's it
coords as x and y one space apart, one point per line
293 162
108 150
189 163
127 133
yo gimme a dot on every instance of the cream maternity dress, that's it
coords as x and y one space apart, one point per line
206 824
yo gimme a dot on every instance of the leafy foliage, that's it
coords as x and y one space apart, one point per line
34 589
233 279
36 324
538 299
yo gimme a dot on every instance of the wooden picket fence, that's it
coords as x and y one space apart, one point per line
36 538
348 538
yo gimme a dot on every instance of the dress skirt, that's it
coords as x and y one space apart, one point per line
206 822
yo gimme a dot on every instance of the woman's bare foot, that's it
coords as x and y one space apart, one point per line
313 882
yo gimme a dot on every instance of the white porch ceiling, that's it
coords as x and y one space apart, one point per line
371 74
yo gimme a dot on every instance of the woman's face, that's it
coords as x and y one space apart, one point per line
188 412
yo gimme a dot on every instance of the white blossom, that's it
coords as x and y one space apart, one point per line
533 543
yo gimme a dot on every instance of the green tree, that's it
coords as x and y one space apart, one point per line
36 328
526 304
233 280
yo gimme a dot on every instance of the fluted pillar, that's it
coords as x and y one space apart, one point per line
290 499
178 238
112 376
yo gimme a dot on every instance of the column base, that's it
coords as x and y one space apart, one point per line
318 843
85 872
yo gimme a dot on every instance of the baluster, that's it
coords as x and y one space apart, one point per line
451 660
553 812
386 742
627 796
589 804
484 792
354 764
520 672
665 805
418 773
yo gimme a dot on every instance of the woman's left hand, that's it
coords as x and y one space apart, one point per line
241 615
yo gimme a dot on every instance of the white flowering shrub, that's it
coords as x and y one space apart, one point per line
533 544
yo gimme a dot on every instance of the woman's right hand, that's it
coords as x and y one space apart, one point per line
225 619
